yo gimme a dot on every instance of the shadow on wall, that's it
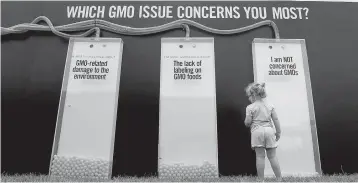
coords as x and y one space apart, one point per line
235 154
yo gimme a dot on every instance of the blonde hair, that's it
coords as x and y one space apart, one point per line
254 90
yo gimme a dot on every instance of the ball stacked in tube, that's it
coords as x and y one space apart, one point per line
181 171
66 166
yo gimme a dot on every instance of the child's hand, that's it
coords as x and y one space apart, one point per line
278 136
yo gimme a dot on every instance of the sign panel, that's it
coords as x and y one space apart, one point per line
86 121
187 127
283 66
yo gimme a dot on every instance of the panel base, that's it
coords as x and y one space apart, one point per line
71 166
181 171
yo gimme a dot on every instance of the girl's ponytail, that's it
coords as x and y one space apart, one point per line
256 89
261 90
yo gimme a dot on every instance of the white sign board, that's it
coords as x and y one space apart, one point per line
85 129
187 125
283 66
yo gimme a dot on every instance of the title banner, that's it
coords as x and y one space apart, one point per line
188 12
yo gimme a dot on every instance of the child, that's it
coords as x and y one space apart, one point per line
263 136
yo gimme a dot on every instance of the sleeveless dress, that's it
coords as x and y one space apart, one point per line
262 128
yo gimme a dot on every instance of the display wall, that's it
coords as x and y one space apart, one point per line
32 68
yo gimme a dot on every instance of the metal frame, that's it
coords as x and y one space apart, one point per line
197 39
64 92
302 42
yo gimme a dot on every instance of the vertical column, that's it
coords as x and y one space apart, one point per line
188 129
85 129
283 66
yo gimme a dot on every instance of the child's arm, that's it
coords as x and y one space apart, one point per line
276 123
248 118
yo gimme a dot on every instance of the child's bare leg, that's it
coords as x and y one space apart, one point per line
260 161
271 155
